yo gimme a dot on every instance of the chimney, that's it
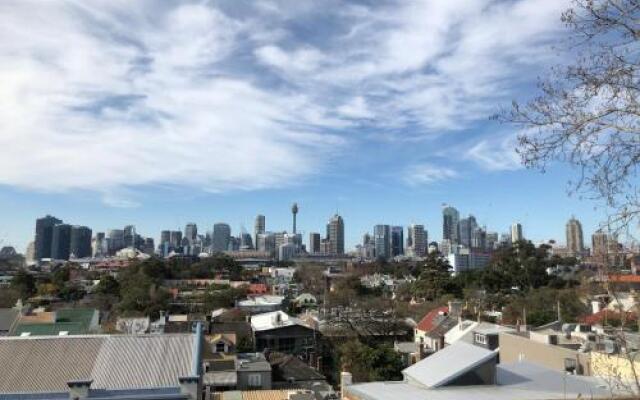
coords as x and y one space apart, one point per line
596 306
190 386
346 379
79 389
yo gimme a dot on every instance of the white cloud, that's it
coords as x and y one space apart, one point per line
113 94
495 154
424 174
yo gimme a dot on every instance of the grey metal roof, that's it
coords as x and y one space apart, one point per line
46 364
447 364
522 381
8 318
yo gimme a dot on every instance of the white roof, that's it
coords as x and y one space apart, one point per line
265 300
524 381
447 364
272 320
457 332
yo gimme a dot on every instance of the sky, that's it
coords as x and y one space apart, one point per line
159 113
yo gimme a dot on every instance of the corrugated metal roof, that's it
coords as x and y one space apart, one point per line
448 364
46 364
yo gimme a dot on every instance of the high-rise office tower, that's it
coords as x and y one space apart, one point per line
450 219
116 240
80 246
479 239
44 236
294 211
314 243
130 236
165 237
245 241
175 239
148 246
417 240
259 227
221 237
61 242
266 242
335 234
599 243
366 239
575 241
191 232
492 240
466 226
516 232
397 241
382 240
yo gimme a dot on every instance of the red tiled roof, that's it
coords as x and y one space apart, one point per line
624 278
428 322
605 314
257 288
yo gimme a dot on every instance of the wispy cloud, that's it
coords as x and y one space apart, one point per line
495 154
223 96
424 174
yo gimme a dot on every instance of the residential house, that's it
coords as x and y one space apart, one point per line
278 331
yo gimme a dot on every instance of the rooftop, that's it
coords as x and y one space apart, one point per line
273 320
47 363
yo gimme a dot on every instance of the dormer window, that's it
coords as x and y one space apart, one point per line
480 338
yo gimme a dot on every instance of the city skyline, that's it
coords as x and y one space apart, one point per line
385 137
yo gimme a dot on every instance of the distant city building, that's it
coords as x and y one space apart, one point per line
44 236
479 239
466 227
397 241
450 219
599 243
30 253
416 240
433 247
191 233
221 237
314 243
492 240
286 251
335 235
165 237
575 241
245 241
259 227
61 242
129 236
516 232
266 242
382 240
294 212
80 242
175 239
116 240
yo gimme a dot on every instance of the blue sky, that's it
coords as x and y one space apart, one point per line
162 113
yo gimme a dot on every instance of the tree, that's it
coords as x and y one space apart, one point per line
108 286
24 284
380 363
435 279
587 112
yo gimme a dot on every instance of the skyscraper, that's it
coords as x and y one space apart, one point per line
191 232
335 235
397 241
221 237
116 240
165 237
130 236
382 240
450 218
416 240
175 239
314 243
44 236
516 232
80 242
466 226
259 227
599 243
575 241
294 211
61 242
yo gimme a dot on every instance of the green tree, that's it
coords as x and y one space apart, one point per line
24 284
435 279
380 363
108 286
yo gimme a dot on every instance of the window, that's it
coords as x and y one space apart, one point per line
220 347
255 380
480 338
